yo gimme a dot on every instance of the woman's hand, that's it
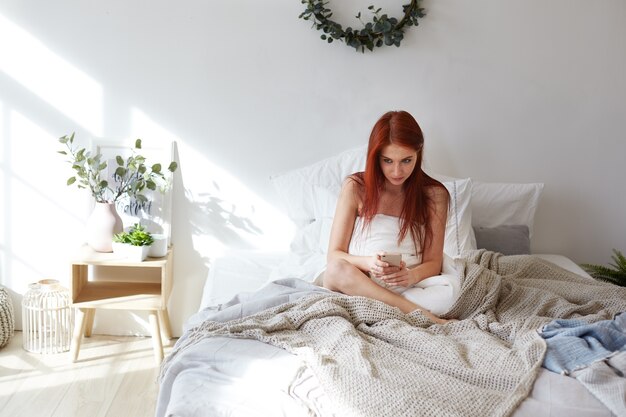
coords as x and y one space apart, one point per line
381 269
397 276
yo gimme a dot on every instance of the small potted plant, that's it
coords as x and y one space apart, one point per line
615 274
134 244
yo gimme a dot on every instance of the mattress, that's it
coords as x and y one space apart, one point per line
224 376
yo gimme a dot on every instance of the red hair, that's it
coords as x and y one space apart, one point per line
399 128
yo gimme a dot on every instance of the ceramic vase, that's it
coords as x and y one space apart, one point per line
102 224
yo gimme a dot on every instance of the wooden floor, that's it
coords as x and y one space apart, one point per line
114 376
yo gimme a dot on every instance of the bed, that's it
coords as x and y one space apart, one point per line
268 341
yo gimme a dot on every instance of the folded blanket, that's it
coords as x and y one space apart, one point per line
575 344
373 360
593 353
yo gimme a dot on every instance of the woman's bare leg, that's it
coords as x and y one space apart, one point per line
344 277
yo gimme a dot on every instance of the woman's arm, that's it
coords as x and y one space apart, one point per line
432 256
343 226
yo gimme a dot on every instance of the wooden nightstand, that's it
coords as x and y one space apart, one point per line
123 285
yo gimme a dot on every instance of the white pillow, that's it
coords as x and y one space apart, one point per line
325 225
325 201
307 239
296 188
459 233
497 204
324 211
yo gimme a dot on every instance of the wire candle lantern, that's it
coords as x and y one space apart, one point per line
46 318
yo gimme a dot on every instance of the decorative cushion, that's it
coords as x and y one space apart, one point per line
506 239
7 319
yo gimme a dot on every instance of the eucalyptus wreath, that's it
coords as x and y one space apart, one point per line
382 30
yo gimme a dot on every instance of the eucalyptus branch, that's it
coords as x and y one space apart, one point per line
131 175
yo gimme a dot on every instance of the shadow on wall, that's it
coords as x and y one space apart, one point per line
205 216
210 215
203 226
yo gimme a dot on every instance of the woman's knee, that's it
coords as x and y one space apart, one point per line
339 272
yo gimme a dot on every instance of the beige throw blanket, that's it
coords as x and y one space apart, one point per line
373 360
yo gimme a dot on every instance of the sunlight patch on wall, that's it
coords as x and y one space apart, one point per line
4 197
44 213
222 212
28 61
151 132
3 135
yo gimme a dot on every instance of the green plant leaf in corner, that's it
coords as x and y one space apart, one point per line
615 273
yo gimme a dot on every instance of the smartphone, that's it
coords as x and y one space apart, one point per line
392 259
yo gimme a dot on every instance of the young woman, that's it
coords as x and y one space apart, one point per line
392 207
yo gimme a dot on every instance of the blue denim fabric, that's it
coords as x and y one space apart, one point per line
575 344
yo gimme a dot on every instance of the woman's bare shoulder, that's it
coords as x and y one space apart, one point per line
352 190
357 178
353 182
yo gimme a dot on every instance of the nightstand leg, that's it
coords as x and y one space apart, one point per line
89 316
166 328
79 331
156 336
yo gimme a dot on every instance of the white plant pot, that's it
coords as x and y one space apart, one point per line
158 248
130 252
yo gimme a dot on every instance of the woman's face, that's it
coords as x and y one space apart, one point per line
397 163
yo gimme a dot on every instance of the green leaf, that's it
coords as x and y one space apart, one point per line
172 167
616 274
119 160
138 144
71 180
121 172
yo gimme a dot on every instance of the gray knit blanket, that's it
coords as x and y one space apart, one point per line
373 360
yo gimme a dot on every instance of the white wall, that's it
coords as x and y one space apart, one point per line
518 91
